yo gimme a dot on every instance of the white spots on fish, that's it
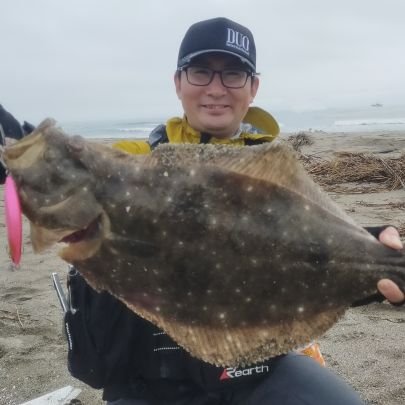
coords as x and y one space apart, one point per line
155 272
164 234
245 218
189 293
202 247
180 243
192 172
209 292
127 193
145 294
85 189
283 290
159 289
205 308
206 205
305 228
169 199
178 305
214 253
137 168
324 285
128 208
166 173
72 176
213 221
222 315
229 337
253 260
285 234
145 269
249 188
248 299
300 309
269 210
154 221
329 241
273 308
218 266
114 270
283 269
237 290
157 309
307 207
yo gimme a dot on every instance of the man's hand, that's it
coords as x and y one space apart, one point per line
390 238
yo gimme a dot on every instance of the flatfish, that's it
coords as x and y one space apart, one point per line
234 252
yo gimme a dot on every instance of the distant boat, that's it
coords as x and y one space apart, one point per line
376 105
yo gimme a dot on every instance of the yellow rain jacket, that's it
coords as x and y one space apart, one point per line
258 126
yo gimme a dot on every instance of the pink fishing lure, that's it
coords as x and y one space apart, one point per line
12 208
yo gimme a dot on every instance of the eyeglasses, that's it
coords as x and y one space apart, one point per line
203 76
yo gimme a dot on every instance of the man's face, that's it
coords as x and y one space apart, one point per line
215 108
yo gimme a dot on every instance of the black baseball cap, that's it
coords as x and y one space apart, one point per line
218 35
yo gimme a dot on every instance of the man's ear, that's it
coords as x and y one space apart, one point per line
177 83
253 88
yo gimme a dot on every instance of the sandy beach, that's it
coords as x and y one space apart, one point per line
366 347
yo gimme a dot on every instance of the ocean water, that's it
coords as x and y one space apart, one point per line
368 119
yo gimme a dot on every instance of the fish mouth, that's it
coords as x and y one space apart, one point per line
80 244
89 232
84 243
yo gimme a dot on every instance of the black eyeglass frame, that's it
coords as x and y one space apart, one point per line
248 72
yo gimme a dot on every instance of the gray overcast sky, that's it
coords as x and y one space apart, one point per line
108 59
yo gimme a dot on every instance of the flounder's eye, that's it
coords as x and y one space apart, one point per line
49 155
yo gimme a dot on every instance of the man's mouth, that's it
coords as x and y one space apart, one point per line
215 107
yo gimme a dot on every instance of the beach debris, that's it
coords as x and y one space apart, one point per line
359 168
62 396
234 252
297 141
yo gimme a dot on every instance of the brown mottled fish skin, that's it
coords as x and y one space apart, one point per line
234 252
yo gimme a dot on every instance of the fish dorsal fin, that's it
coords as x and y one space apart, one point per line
273 163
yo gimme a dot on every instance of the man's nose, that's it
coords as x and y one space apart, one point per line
216 87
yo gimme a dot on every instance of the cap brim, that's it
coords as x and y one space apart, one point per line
187 59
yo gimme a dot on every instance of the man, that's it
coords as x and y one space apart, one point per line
133 361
